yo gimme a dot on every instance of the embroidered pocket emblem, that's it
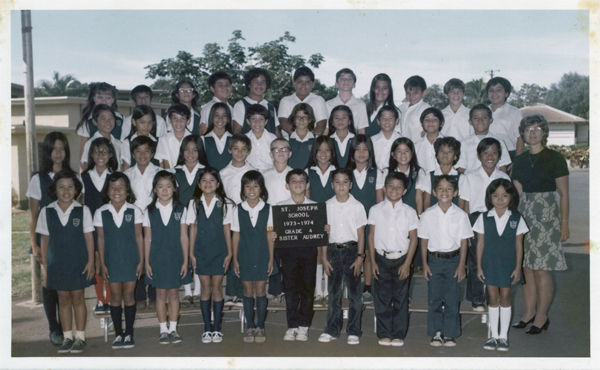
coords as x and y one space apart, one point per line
128 218
219 204
76 222
177 216
310 147
513 224
371 179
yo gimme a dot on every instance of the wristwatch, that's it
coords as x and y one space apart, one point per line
362 255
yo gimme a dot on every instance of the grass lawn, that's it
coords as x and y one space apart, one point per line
21 268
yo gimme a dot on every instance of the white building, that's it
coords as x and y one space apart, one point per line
565 128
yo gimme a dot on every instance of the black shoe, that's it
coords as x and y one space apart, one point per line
535 330
56 337
522 324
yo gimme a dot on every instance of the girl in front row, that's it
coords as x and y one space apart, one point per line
68 255
500 233
209 216
121 251
253 251
166 251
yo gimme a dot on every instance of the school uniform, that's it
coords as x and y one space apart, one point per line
457 124
417 182
259 157
253 250
499 258
88 129
300 149
425 153
161 127
410 123
468 152
507 119
205 112
239 114
374 127
445 232
217 150
166 255
298 270
168 148
429 180
126 155
210 248
232 180
67 253
186 182
38 189
342 148
316 102
320 183
391 241
382 148
472 188
358 108
115 143
121 254
344 219
141 184
364 189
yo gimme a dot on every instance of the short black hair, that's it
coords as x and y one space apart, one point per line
219 75
142 140
140 89
415 81
450 142
102 107
499 80
345 70
451 179
436 112
304 71
296 172
395 175
180 109
454 83
342 171
241 138
257 109
486 143
480 107
255 73
65 174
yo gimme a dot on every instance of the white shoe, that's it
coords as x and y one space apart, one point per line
217 337
325 338
353 339
397 342
318 302
385 342
207 337
290 334
302 333
229 301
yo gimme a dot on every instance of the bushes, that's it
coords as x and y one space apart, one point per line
578 154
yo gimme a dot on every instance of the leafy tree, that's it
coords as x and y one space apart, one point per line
475 93
571 94
528 95
235 61
66 85
435 97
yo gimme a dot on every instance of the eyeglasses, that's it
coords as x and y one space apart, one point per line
533 129
188 90
301 118
280 150
100 152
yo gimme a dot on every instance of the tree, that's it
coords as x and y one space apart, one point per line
235 61
475 93
528 95
571 94
66 85
435 97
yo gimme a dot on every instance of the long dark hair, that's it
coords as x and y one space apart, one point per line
114 177
513 205
195 95
350 117
356 141
100 142
199 145
257 177
219 192
47 148
160 175
95 88
312 158
413 164
390 99
139 112
211 117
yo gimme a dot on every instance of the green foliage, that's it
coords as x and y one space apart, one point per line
571 94
475 93
21 271
528 95
580 153
435 97
66 85
235 61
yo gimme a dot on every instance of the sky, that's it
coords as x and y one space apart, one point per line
526 46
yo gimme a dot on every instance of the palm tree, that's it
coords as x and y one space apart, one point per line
475 93
66 85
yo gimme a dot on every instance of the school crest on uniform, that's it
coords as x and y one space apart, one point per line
119 122
371 179
177 216
309 147
219 204
513 224
76 222
128 218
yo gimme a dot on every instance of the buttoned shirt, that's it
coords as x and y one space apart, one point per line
345 219
426 153
468 153
141 184
324 177
358 108
316 102
457 124
232 180
392 225
445 231
168 148
382 148
259 156
275 183
507 119
361 177
410 125
473 184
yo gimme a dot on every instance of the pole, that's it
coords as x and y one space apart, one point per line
30 140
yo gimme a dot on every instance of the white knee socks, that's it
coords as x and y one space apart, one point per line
196 285
319 288
494 313
504 321
188 289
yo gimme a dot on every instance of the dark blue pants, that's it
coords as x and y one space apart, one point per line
474 285
341 260
299 270
390 296
443 288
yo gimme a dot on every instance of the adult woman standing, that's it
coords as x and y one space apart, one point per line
539 174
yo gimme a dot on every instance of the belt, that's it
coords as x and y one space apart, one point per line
445 255
345 245
388 255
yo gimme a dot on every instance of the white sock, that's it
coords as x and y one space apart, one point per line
325 291
196 285
68 334
188 289
172 326
163 327
80 334
319 287
494 313
504 321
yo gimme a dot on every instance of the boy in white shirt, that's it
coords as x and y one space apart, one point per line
456 115
387 118
507 117
167 151
393 242
219 84
410 126
345 82
142 95
257 81
260 157
432 121
444 230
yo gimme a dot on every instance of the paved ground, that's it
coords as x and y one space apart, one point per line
567 340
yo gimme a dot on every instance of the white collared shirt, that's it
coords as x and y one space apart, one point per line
165 214
126 147
361 177
142 184
500 222
473 184
232 180
220 143
290 201
192 212
115 143
98 180
309 135
259 156
436 172
34 190
426 153
190 125
507 119
118 217
275 183
342 144
239 111
190 176
468 153
421 178
382 148
457 124
168 148
376 111
84 130
392 225
205 112
345 219
42 224
316 102
161 127
235 222
358 108
445 231
410 125
324 177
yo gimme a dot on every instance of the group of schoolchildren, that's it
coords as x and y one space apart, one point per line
188 200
